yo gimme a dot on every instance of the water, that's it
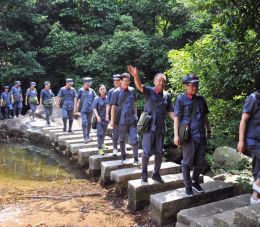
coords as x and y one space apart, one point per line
31 163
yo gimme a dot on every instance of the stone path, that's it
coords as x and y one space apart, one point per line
218 206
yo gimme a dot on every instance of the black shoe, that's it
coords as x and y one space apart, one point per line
197 187
144 176
136 162
70 131
64 129
157 177
189 192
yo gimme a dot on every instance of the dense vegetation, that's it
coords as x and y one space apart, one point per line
215 39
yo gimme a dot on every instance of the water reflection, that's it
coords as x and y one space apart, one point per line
31 163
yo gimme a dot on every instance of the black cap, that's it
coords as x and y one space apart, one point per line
190 79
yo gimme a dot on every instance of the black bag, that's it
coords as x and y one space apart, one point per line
184 130
118 112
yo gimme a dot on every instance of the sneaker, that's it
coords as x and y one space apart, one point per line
115 152
253 200
197 187
104 146
189 192
256 187
136 162
144 176
157 177
86 140
101 152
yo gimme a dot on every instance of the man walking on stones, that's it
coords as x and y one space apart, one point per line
115 134
249 135
124 107
86 96
191 114
17 99
67 101
6 103
99 109
157 104
47 100
32 99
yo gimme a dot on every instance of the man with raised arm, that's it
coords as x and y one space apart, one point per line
157 103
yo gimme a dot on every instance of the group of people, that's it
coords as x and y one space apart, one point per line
118 108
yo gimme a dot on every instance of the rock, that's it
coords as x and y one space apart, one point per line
226 157
220 177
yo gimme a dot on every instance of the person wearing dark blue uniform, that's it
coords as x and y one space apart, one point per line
99 109
47 100
17 99
67 100
115 134
249 135
32 99
194 148
6 102
86 96
157 103
124 99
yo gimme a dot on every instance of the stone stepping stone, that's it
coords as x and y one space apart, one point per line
46 130
164 206
122 176
96 160
73 148
109 166
71 136
55 134
248 216
203 215
68 142
85 153
139 192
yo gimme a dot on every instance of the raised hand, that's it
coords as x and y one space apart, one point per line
132 70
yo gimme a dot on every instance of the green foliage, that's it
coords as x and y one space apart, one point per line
225 60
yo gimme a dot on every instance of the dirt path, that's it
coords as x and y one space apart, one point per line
18 208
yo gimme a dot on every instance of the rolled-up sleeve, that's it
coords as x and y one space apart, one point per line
249 103
178 107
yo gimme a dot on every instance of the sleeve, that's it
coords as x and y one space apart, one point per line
2 96
41 94
95 95
94 105
109 95
52 94
79 94
249 103
12 90
170 107
27 92
75 93
146 91
60 94
178 107
114 98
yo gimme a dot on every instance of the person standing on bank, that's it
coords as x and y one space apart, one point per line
17 99
157 103
47 100
32 99
115 134
124 107
6 103
99 109
249 135
86 96
67 100
191 112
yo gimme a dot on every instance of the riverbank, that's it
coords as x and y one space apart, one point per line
63 203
